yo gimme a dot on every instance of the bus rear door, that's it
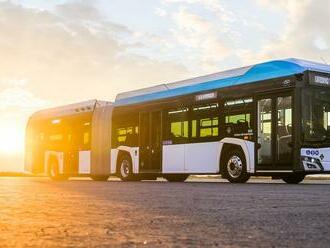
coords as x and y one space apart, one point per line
150 142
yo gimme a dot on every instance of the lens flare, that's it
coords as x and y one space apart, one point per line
11 138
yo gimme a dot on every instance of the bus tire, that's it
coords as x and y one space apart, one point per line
234 167
125 168
176 177
293 178
100 178
53 171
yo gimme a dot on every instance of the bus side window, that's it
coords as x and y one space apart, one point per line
238 121
78 133
209 127
177 125
205 122
179 129
127 136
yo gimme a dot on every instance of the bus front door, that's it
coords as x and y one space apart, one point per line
150 142
274 133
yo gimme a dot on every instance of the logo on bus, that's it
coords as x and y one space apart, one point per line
312 152
286 83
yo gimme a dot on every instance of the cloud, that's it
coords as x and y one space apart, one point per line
4 82
160 12
304 36
72 53
320 43
79 11
214 35
69 57
17 97
213 5
204 39
200 35
293 6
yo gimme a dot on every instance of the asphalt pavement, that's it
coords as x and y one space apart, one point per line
198 213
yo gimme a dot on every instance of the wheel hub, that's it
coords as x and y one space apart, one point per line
124 168
235 166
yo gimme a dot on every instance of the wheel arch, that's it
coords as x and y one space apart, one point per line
247 147
133 152
122 153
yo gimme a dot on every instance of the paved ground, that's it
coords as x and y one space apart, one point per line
80 213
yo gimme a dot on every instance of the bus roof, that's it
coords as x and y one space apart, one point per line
67 110
244 75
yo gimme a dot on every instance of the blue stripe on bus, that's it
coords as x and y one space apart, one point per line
259 72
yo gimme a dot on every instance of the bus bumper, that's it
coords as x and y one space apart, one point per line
315 159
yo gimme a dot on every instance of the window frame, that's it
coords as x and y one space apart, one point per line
244 108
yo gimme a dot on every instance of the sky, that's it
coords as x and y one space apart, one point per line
65 51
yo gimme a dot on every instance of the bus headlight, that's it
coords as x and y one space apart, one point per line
310 163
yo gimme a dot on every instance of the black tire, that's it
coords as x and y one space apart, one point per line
125 169
293 178
176 177
100 178
53 171
234 167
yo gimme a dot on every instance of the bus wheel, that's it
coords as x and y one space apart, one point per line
125 169
54 173
235 167
293 178
100 178
176 177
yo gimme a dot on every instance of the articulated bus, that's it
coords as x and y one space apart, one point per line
270 119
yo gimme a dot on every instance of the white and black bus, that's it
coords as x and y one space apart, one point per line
65 141
269 119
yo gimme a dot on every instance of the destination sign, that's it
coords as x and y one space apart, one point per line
322 80
206 96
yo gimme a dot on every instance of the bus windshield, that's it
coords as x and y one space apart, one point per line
316 114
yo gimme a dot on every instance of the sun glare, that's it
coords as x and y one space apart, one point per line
11 138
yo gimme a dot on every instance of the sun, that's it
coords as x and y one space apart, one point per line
11 138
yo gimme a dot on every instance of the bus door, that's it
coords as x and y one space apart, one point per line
150 141
274 132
